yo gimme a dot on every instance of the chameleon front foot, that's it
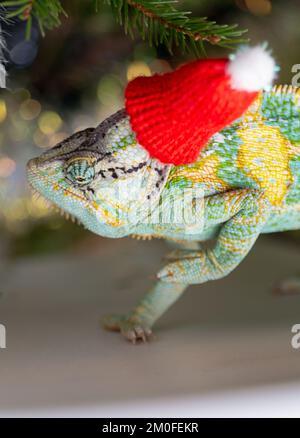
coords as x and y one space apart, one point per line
132 330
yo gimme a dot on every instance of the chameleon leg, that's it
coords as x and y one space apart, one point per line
188 245
245 211
137 325
249 211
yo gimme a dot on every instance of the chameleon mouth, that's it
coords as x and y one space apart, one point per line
50 183
52 206
33 173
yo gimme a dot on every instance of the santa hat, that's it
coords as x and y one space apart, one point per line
175 114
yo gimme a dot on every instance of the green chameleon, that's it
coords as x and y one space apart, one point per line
246 181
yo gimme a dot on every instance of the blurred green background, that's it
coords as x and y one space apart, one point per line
74 77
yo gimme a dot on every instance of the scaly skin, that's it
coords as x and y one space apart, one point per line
245 182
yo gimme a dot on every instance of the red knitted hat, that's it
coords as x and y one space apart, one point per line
175 114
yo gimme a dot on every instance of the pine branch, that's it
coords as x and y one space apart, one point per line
47 13
160 22
157 21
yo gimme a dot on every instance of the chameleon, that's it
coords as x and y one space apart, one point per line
245 182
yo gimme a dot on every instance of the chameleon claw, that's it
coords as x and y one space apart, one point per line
138 334
133 331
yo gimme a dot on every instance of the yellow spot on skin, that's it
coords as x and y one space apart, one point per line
110 219
204 170
253 113
89 160
264 157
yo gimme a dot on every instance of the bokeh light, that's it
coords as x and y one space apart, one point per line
30 109
49 122
7 167
21 94
3 110
18 129
256 7
57 138
136 69
40 139
23 53
109 89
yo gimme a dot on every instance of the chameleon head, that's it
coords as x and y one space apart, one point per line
101 176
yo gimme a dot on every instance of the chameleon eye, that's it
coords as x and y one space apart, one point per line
80 171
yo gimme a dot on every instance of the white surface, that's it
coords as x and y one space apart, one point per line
276 401
224 349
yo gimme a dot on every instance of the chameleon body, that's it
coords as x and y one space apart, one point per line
245 182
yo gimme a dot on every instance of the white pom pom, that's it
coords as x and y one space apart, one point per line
251 69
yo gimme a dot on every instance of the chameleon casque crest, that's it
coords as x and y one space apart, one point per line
248 175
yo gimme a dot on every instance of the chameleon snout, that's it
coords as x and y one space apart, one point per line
32 163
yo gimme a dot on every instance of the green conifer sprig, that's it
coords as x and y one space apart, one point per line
46 12
160 22
157 21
